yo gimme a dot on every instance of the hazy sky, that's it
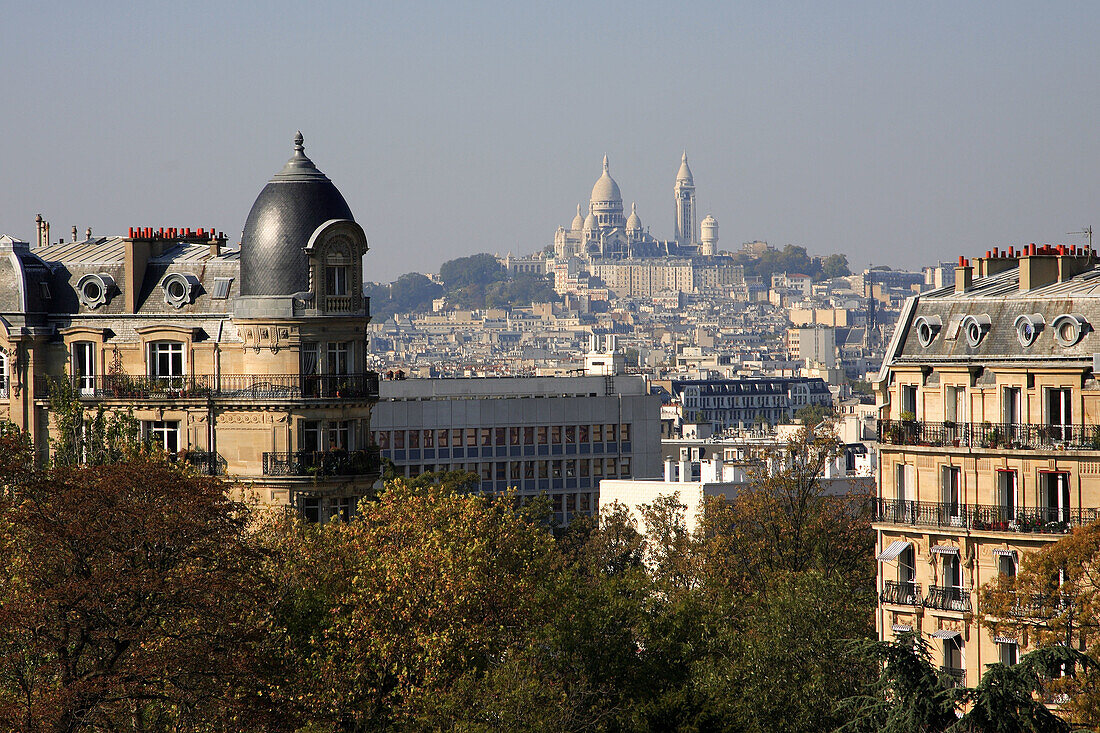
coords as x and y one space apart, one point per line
897 133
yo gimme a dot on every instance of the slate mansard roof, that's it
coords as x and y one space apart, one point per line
1059 319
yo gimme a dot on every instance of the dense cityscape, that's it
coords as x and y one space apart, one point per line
723 462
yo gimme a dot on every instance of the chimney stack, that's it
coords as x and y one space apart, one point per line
74 232
964 275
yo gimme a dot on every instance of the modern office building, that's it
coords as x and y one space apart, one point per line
554 435
248 361
989 441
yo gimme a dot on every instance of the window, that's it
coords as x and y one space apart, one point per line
624 432
529 469
516 471
542 434
221 288
414 439
528 436
486 472
166 359
486 437
624 467
544 469
570 433
1010 405
950 493
338 357
909 399
609 433
585 467
308 356
513 436
429 438
499 435
471 437
952 654
582 433
609 467
84 366
339 435
1008 652
1055 496
555 469
336 280
442 435
1006 565
399 439
555 435
597 433
311 436
3 374
1006 497
952 571
1059 413
164 434
954 404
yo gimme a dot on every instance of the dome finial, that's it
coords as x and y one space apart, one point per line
684 159
633 207
606 167
299 147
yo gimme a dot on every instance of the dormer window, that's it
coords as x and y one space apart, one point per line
1069 328
974 328
179 289
1028 328
94 289
927 328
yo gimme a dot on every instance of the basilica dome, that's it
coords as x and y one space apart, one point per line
606 190
296 201
578 220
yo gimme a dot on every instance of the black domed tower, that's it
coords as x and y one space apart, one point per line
290 209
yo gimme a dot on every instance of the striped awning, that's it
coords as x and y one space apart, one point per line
1004 640
893 550
1002 552
945 549
945 634
901 628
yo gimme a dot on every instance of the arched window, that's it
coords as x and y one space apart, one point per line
3 374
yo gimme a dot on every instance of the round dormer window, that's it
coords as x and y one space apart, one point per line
927 328
1028 328
974 328
1069 328
94 289
178 289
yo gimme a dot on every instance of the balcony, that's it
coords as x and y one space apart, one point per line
323 463
904 593
956 676
207 463
989 435
362 386
948 598
983 517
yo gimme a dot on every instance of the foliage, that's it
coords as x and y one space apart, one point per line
127 601
1054 599
811 415
792 259
911 695
473 282
835 265
96 440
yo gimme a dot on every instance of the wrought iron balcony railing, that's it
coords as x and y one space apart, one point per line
238 386
323 463
988 435
984 517
956 675
903 593
948 598
205 462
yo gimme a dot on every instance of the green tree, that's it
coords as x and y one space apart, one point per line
835 265
479 269
103 437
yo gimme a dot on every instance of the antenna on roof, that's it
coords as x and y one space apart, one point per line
1085 232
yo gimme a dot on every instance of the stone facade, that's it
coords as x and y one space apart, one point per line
269 388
